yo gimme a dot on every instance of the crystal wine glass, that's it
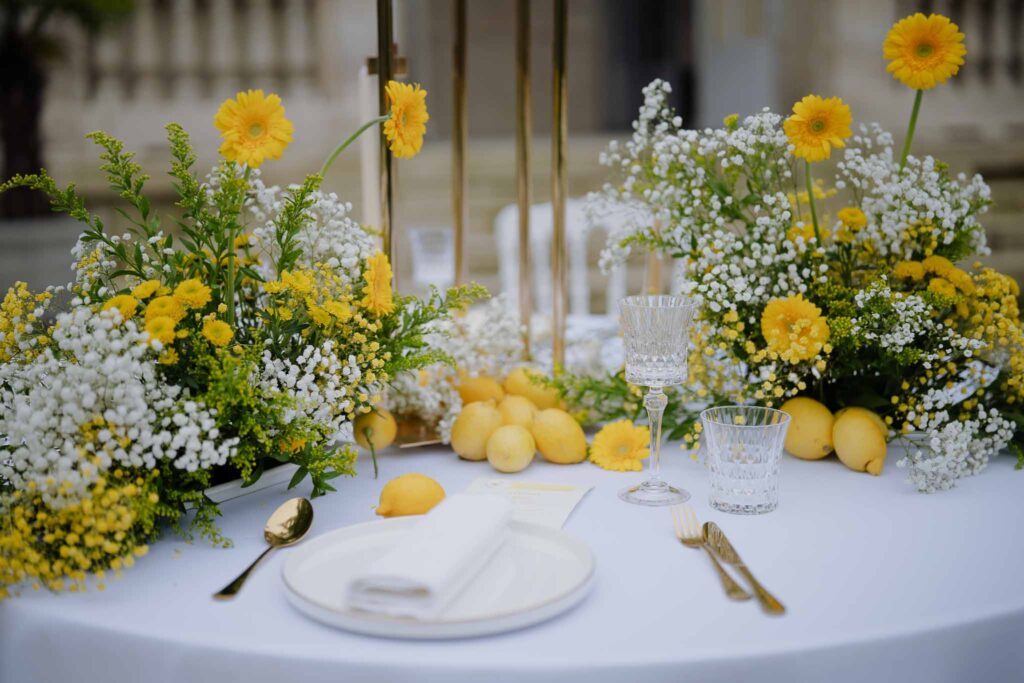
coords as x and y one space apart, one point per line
656 336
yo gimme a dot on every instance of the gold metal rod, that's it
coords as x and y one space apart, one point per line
459 137
385 28
559 185
524 132
654 264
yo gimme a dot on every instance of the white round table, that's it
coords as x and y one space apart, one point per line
881 583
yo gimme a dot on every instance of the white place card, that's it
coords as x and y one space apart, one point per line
536 502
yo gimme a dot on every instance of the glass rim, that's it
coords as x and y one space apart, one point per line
663 301
706 415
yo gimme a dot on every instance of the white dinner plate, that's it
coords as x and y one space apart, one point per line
537 574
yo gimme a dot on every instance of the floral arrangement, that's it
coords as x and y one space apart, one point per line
486 341
864 306
248 334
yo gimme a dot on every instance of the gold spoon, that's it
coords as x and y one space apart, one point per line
286 526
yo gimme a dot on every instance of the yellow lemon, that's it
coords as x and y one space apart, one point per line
860 444
876 418
409 494
517 410
473 427
809 436
375 430
559 437
472 389
510 448
520 382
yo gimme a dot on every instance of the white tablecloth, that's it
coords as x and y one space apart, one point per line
882 584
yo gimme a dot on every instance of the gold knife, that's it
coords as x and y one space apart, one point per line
715 537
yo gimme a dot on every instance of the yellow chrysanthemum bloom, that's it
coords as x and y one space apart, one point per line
124 303
852 217
621 446
909 270
794 328
161 329
339 309
168 357
298 281
254 128
924 51
805 230
317 313
165 306
193 293
817 125
960 279
731 121
942 286
377 292
408 121
146 289
939 265
217 332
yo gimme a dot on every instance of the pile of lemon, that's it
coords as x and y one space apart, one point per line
507 424
857 435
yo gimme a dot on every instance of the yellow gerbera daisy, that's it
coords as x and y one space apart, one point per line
909 270
124 303
254 128
217 332
407 125
621 446
817 125
146 289
924 51
377 291
161 329
794 328
852 217
193 293
165 306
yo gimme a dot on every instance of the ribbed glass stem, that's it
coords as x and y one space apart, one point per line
655 402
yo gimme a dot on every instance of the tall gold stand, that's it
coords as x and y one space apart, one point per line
559 186
524 131
385 72
459 137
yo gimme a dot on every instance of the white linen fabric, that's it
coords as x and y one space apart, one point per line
881 584
437 559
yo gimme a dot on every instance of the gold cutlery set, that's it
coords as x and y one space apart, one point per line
712 539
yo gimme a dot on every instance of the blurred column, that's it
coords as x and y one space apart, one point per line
224 49
259 45
110 64
298 49
146 56
184 49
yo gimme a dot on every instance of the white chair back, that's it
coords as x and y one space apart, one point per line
577 231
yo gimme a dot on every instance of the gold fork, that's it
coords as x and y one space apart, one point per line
688 531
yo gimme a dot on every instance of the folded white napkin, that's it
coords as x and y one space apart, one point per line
438 558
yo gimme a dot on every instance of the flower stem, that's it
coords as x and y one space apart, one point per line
348 141
910 129
231 251
810 200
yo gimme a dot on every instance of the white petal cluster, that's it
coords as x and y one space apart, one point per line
921 194
487 340
328 236
322 386
92 401
948 448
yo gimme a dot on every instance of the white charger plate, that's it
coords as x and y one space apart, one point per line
537 574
